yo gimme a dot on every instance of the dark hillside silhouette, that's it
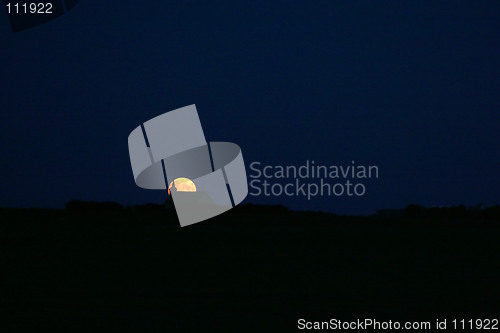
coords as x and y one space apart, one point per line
80 205
454 212
100 267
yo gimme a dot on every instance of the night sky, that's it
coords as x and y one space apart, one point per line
410 86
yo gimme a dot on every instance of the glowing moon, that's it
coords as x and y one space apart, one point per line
182 185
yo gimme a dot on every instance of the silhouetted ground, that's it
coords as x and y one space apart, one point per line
254 269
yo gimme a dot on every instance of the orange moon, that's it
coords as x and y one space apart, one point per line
182 185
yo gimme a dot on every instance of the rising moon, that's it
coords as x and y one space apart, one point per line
182 185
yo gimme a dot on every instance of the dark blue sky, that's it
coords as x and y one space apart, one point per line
413 87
